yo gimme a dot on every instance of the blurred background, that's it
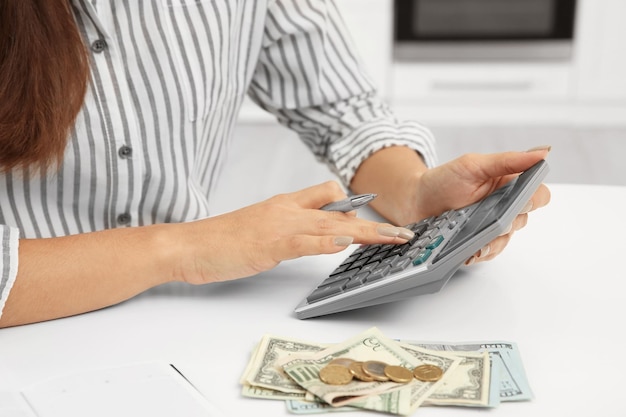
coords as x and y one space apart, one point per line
484 75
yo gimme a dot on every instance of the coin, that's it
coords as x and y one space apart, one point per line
357 370
428 373
342 361
376 370
398 373
335 375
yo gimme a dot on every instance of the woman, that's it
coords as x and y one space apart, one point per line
114 123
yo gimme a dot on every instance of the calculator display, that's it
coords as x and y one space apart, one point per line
486 213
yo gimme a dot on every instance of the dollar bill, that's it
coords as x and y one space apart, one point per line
370 345
270 394
477 374
508 376
314 407
468 384
448 363
476 369
396 402
262 370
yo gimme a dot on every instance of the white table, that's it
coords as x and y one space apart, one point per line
557 291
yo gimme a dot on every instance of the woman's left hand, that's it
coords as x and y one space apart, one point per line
472 177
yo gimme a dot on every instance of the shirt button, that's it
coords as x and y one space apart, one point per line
125 152
123 218
98 45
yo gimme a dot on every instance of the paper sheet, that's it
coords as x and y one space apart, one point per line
146 389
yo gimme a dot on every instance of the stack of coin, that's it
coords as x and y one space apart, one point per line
342 371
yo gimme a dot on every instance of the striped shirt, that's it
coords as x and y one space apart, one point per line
168 78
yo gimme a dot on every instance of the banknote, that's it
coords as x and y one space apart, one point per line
447 362
270 394
262 371
314 407
468 384
396 402
478 374
370 345
508 373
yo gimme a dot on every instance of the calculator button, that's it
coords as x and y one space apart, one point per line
439 222
378 257
400 264
422 256
352 258
370 266
413 252
368 253
359 263
419 228
435 242
379 272
359 251
326 291
421 243
399 250
341 268
358 280
390 260
387 247
339 277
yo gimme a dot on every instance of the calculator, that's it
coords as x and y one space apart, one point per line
383 273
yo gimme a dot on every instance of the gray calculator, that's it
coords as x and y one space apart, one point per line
382 273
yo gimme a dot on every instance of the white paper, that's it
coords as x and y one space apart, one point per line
147 389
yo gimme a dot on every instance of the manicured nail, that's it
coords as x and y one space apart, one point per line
392 231
540 148
405 233
528 207
343 240
484 251
388 231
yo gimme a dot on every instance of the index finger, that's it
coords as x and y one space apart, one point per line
318 195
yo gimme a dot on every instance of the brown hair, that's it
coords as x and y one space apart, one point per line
44 70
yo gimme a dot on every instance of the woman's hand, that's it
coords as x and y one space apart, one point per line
472 177
258 237
408 191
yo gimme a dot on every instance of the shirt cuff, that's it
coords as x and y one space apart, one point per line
8 262
351 150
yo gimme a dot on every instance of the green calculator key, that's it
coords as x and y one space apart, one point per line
422 256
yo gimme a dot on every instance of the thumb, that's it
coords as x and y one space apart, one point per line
502 164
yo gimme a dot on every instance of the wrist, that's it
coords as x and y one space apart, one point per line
395 174
166 249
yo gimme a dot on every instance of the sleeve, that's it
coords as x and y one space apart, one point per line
8 262
309 76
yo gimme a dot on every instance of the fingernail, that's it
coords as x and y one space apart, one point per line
540 148
388 231
471 261
507 230
343 240
528 207
484 251
405 233
391 231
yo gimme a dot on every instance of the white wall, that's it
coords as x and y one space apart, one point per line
589 89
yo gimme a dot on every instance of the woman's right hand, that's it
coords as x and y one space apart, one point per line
258 237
